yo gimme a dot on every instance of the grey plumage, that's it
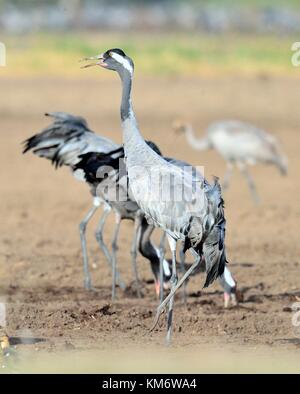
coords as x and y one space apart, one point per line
65 139
69 141
191 219
107 175
240 144
62 142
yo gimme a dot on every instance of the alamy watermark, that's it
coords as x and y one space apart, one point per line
178 189
2 54
295 59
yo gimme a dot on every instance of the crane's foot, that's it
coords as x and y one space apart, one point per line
88 285
230 299
166 286
120 282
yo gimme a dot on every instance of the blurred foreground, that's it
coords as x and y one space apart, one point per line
156 359
41 281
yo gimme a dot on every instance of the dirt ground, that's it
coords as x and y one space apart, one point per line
41 279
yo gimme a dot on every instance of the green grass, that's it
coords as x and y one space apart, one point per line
166 54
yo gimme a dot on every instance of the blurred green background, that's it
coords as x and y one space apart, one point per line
165 37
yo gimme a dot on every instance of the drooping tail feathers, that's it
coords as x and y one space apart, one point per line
277 156
282 163
213 246
59 141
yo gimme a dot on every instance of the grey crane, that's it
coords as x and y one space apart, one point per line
107 175
240 144
229 285
194 216
63 142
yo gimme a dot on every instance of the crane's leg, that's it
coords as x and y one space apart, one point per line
182 269
173 280
173 290
161 266
103 247
114 247
229 286
82 231
227 176
99 233
133 252
250 182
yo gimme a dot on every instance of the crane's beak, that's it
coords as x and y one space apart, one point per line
99 62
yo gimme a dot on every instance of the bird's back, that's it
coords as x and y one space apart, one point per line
243 142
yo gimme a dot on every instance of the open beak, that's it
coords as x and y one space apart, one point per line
99 61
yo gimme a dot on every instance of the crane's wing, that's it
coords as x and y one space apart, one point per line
168 195
64 140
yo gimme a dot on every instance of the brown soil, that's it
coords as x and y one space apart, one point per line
40 268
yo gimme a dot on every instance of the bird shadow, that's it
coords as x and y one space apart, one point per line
243 265
25 340
293 341
259 298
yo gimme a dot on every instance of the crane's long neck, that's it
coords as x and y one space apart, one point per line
126 106
137 152
196 143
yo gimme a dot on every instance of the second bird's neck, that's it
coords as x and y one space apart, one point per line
197 143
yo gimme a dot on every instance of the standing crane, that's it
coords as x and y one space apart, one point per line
168 196
240 144
69 141
63 142
107 178
107 175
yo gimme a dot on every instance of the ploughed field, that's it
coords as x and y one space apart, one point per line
41 279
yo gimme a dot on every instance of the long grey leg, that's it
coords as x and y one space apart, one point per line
133 252
227 176
173 290
99 233
172 243
161 267
82 232
250 182
103 247
182 269
114 247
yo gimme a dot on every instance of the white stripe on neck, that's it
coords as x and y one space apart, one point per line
120 59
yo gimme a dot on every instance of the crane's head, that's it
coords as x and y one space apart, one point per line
113 59
179 126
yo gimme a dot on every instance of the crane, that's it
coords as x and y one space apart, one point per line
167 195
62 142
240 144
107 175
